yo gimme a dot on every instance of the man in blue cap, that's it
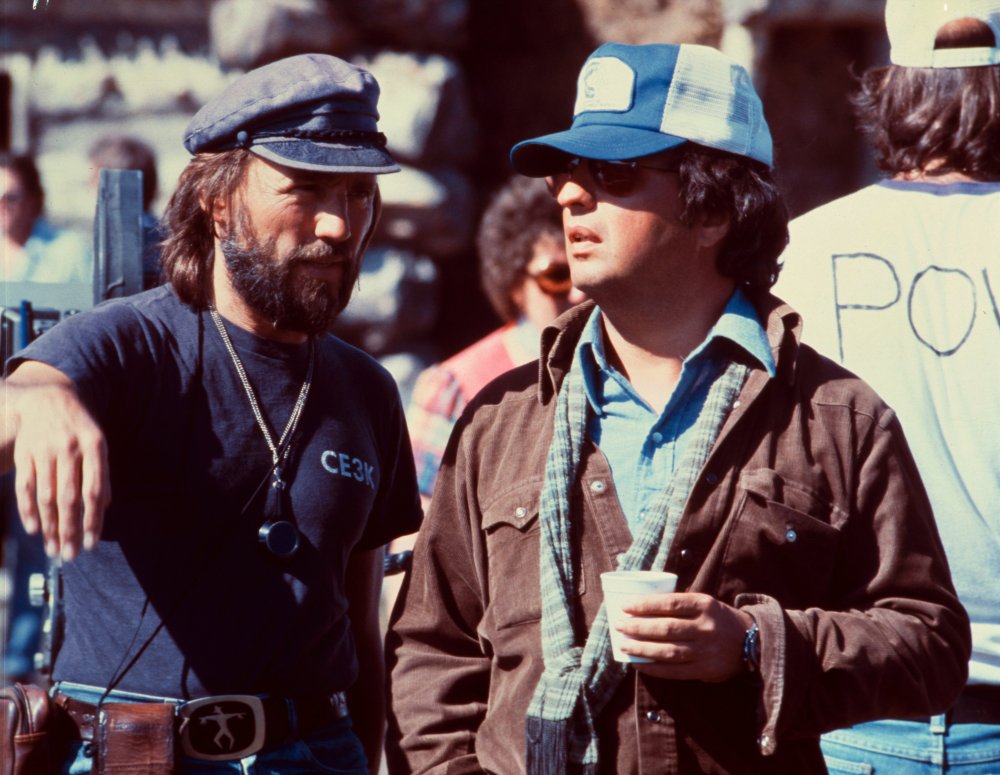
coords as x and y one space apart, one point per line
674 423
224 614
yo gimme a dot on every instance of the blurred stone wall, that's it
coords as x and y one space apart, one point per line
462 81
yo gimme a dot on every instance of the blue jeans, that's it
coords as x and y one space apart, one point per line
913 748
331 749
27 556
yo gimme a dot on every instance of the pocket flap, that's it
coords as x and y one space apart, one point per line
770 485
517 507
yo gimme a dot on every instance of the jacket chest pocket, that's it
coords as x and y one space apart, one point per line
513 538
783 541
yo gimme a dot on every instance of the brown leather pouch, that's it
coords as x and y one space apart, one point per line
135 738
25 730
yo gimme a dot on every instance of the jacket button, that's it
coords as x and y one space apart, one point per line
520 512
653 716
712 478
791 536
684 554
597 486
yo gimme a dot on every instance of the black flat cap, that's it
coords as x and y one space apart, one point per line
311 112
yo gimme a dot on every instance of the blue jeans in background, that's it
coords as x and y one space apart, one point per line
913 748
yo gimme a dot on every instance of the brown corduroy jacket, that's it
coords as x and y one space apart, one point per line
809 514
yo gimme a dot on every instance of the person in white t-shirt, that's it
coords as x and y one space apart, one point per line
900 282
31 248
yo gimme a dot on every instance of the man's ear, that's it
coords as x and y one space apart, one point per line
218 211
713 229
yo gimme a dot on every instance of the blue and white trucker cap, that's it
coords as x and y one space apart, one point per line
633 101
913 25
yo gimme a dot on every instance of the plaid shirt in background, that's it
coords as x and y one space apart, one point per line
442 392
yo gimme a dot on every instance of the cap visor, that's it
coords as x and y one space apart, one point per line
542 155
327 157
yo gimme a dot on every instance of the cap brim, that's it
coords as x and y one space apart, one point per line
327 157
542 156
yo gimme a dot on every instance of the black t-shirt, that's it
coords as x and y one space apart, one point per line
186 456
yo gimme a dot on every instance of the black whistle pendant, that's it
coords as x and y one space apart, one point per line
279 536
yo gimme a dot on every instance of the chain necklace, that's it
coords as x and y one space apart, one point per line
280 536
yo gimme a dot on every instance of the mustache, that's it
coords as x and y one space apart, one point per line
322 251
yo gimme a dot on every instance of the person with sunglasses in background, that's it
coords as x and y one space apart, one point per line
675 423
525 276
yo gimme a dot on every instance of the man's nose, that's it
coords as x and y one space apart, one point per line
332 220
573 192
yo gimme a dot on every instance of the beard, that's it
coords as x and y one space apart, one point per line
269 284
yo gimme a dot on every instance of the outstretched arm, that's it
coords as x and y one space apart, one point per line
60 454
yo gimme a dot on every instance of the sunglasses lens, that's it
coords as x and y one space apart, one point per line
617 179
555 280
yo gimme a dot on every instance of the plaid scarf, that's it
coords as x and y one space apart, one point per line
577 682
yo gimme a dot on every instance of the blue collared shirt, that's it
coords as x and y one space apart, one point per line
643 448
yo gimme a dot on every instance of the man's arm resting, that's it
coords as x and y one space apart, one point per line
366 698
59 451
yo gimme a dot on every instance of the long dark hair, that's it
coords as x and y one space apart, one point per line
186 253
949 117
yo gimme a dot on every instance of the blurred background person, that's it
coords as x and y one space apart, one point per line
33 249
525 276
900 282
126 152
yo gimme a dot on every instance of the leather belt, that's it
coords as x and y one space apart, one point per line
977 704
230 726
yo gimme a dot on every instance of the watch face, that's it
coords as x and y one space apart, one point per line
751 648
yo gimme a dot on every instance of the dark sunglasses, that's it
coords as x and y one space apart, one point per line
553 278
617 178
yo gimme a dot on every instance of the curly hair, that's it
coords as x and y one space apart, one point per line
742 190
186 253
935 121
522 212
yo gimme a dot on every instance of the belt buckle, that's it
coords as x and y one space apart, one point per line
222 727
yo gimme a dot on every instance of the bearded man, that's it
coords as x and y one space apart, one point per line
223 614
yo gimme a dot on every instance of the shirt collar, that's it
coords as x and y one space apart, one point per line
738 323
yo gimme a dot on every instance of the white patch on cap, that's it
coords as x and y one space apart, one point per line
605 83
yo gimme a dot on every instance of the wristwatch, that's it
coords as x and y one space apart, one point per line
751 649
